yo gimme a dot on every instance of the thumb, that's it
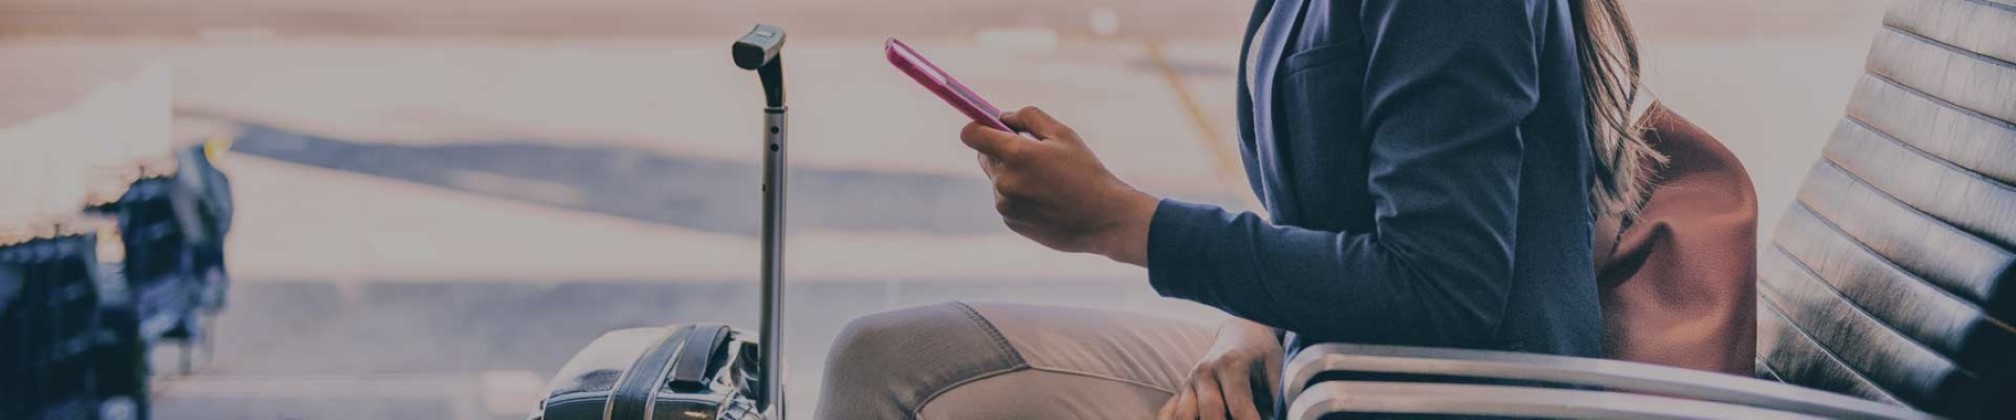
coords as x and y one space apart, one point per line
994 143
1034 121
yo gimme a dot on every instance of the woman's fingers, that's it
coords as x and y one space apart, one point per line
1184 405
1210 402
987 165
1236 385
994 143
1272 365
1039 123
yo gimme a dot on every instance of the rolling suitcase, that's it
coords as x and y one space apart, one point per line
697 371
707 371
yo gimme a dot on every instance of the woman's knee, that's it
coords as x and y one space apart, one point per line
900 331
875 338
891 362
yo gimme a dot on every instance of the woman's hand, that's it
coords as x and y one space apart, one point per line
1221 386
1052 189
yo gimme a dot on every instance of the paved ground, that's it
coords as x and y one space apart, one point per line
430 222
482 350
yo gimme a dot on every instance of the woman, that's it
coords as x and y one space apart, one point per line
1432 168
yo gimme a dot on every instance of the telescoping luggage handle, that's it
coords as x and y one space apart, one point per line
762 50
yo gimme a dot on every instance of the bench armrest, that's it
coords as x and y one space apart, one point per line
1610 375
1390 398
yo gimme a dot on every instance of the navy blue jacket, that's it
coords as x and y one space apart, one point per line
1427 169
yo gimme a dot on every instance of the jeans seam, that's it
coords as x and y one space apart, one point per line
1108 377
1000 342
918 412
1017 363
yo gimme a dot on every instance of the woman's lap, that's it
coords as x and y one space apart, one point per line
992 360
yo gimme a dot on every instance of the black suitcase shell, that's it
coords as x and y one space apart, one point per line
702 371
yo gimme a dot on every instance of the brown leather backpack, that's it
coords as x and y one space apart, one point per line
1679 283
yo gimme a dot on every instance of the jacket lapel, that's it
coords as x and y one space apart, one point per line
1245 97
1265 59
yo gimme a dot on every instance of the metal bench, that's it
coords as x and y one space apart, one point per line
1886 289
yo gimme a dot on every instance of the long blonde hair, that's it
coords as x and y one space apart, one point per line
1610 81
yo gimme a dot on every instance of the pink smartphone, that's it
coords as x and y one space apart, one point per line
943 85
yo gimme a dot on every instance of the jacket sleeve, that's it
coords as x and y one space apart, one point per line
1447 85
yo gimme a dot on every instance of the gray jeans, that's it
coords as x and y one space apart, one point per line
1005 361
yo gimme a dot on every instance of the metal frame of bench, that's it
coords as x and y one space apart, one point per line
1377 398
1616 377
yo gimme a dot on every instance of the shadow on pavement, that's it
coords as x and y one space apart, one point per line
688 192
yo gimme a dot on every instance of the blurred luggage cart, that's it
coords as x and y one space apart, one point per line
78 329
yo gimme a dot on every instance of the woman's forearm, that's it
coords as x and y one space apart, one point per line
1329 285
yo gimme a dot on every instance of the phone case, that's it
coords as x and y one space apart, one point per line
943 85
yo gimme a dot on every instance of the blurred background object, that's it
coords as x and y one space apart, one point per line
424 186
85 297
